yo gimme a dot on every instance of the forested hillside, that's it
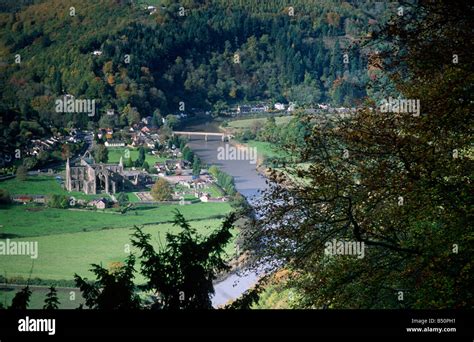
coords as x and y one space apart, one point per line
208 54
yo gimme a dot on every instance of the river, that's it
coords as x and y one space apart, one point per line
248 182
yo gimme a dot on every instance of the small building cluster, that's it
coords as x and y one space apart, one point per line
36 146
279 108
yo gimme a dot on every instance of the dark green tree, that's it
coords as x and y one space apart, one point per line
122 199
396 181
188 154
100 153
5 197
51 302
21 173
156 121
21 299
112 289
141 157
128 162
182 272
196 166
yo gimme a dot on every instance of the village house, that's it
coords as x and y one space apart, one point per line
29 198
160 167
114 143
199 183
109 133
149 143
151 9
259 108
100 203
279 106
243 109
72 139
147 120
100 133
205 197
138 139
185 184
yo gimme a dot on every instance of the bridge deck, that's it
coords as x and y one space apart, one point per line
199 133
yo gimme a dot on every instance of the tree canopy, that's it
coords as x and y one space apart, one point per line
398 182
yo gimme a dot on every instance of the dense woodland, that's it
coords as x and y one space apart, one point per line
402 184
218 54
399 183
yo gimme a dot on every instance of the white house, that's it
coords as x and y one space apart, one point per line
114 143
291 107
205 197
279 106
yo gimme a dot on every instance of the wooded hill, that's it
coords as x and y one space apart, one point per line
216 54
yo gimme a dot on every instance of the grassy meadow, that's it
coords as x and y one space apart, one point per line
116 152
36 220
242 124
42 185
62 255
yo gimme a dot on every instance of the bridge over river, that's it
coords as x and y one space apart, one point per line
223 136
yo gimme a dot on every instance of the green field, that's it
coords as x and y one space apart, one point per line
69 240
266 149
62 255
41 185
116 152
214 190
32 220
247 123
132 197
